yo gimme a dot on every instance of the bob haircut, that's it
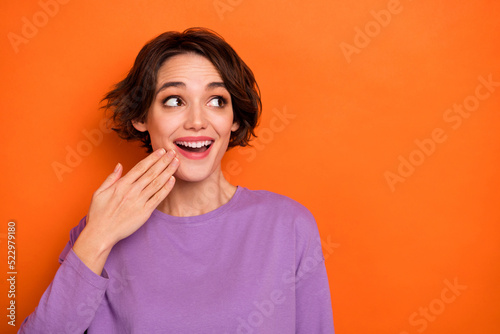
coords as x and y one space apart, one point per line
131 98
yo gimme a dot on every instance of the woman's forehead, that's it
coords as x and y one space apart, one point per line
188 67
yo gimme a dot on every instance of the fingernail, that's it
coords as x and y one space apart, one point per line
171 154
117 168
161 151
175 162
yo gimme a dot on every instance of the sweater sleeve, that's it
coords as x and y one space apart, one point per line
312 291
72 298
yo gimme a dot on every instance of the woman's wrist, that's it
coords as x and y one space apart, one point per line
92 249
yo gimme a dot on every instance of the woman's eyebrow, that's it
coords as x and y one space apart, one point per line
213 85
170 84
166 85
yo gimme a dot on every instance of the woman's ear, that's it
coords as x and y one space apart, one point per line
140 126
235 126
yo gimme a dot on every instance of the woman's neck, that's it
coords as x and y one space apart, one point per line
196 198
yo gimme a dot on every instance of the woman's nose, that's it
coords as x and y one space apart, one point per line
196 118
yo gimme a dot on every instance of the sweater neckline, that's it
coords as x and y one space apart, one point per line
205 217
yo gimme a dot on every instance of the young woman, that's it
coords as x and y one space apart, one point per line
172 246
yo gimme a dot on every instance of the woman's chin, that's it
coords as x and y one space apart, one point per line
192 175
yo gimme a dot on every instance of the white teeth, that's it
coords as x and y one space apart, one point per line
194 144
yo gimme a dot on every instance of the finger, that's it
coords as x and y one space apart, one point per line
143 166
159 181
112 178
156 169
160 195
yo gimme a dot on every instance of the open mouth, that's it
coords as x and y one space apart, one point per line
194 146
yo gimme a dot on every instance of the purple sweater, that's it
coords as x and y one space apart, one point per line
253 265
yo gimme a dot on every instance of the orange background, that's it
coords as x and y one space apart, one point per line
352 118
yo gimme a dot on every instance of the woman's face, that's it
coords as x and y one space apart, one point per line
192 114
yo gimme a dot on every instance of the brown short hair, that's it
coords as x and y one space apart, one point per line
131 98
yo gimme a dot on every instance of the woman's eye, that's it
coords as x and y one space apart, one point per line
217 101
173 101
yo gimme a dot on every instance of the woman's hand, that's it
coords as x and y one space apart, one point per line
122 205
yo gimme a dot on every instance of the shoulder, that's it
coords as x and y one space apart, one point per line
277 205
265 197
75 231
73 235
